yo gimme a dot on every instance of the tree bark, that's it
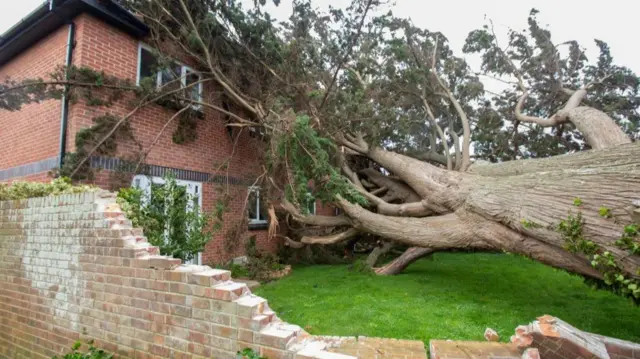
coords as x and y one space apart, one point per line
401 263
490 203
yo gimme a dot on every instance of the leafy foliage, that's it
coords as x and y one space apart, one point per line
604 212
571 230
171 218
91 353
529 224
24 190
547 70
306 158
630 239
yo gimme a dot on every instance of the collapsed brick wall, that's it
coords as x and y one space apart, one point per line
556 339
72 267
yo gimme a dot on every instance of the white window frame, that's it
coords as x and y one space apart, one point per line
256 189
315 203
193 188
183 72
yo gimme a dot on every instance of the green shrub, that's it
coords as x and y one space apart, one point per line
260 264
238 271
24 190
92 353
170 217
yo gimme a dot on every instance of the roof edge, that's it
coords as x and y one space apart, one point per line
47 18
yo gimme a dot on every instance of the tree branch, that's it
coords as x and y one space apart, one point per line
434 123
334 238
314 220
466 128
216 73
68 83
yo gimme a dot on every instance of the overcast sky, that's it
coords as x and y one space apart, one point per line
614 21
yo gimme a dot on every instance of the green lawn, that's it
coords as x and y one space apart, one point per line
453 296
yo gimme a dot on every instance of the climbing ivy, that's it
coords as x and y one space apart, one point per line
604 212
529 224
574 241
91 353
630 239
604 261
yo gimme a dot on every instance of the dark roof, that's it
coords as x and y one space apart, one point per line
47 18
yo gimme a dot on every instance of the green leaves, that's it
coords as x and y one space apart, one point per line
604 212
630 239
248 353
308 157
91 353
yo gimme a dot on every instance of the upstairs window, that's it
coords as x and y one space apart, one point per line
172 74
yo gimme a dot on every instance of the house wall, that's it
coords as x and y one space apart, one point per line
33 133
107 49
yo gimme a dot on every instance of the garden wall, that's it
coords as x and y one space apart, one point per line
71 267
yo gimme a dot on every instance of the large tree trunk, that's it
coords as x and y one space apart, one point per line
490 204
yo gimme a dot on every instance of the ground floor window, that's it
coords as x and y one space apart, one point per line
187 198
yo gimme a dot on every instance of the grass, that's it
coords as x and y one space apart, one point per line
452 296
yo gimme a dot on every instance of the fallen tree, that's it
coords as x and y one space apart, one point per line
381 116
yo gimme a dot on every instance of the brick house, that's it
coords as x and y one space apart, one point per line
104 36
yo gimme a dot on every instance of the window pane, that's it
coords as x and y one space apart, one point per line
171 74
194 91
148 65
253 205
311 206
262 214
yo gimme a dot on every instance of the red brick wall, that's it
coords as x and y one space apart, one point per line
107 49
33 133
